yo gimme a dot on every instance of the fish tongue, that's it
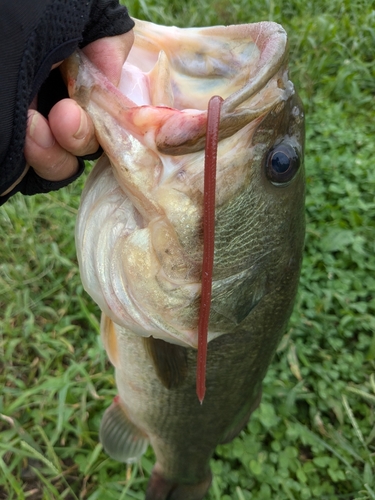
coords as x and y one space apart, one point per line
212 139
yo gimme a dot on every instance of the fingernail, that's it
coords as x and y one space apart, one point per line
40 132
82 129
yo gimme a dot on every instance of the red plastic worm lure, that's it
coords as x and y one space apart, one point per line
212 141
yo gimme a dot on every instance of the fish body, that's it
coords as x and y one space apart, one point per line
139 236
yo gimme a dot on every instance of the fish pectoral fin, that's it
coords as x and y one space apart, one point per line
170 361
108 333
121 439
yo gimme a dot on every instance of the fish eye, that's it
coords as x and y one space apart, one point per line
282 164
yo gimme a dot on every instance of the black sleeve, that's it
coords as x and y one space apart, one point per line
33 36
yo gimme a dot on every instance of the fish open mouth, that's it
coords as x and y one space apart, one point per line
183 68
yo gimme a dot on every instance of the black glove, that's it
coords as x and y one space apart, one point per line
34 36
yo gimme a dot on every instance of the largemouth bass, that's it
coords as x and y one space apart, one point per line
139 236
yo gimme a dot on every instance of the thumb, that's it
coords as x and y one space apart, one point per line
109 54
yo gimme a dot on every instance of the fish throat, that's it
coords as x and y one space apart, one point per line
210 161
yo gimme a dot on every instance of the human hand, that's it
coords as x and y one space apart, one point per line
51 146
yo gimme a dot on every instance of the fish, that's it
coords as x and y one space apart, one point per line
140 236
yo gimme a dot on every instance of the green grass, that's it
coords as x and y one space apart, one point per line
313 436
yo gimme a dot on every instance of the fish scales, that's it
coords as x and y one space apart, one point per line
169 423
139 236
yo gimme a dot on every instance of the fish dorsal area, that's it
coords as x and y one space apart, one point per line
139 232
